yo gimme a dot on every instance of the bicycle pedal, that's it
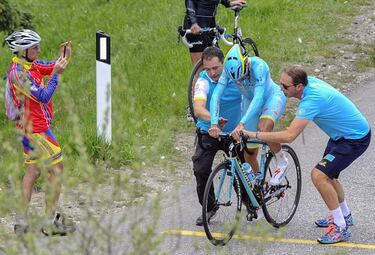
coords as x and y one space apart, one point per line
251 216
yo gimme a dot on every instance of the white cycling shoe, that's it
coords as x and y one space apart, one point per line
279 174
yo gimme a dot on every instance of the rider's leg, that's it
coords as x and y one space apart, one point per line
28 181
195 57
272 111
267 125
53 189
251 158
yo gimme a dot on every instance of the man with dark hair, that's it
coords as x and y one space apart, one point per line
230 115
349 133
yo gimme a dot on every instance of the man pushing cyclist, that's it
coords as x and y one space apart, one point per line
349 134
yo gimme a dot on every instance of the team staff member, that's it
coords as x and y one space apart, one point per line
349 134
230 115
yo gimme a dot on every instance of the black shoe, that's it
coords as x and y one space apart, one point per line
210 214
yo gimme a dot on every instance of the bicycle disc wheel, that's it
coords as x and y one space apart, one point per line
191 84
222 194
250 46
280 202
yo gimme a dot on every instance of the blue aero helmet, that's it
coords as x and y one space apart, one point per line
235 63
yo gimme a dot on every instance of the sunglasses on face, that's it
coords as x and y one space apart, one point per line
286 86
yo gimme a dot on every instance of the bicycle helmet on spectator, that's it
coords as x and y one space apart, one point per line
22 40
235 63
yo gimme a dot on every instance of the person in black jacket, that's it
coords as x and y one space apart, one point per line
201 14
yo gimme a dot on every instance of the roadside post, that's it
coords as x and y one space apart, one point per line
103 86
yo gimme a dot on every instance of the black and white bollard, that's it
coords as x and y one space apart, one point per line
103 86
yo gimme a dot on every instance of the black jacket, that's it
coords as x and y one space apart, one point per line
202 12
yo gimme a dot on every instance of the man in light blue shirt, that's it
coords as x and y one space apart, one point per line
349 133
230 115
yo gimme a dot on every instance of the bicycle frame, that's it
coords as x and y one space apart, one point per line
237 31
235 167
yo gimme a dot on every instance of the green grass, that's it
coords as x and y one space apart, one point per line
150 69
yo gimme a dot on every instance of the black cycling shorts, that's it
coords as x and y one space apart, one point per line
202 41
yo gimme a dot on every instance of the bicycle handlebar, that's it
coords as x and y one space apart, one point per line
228 139
215 31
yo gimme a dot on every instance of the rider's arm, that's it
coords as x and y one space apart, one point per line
25 84
45 94
256 103
215 99
201 90
190 10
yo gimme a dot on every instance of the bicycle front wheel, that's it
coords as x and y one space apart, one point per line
221 204
280 202
191 85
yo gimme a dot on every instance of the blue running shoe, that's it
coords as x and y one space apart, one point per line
325 222
334 234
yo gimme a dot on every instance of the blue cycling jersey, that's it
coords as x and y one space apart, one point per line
230 103
333 112
258 87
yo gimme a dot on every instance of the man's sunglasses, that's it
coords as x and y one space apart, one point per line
286 86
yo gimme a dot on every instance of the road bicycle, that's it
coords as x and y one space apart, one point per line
229 187
218 34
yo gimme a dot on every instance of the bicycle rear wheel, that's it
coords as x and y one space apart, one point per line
280 202
223 194
191 85
250 46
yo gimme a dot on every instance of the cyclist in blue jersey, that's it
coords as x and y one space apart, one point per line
349 134
230 115
201 14
263 103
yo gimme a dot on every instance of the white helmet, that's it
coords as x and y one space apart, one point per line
22 40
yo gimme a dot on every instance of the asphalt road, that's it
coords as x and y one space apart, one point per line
299 236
